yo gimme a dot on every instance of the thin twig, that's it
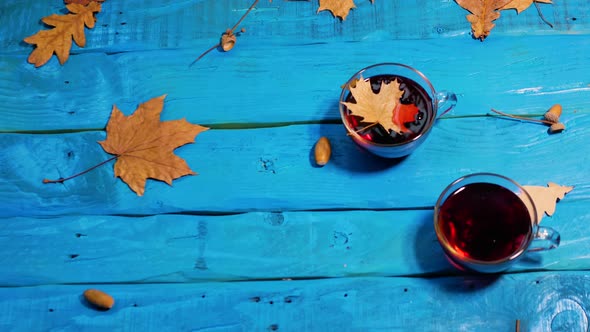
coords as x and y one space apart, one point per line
244 16
61 180
204 53
518 325
229 32
522 117
541 14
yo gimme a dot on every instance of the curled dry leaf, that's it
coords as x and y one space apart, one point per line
483 14
228 40
521 5
59 39
144 145
339 8
553 113
545 198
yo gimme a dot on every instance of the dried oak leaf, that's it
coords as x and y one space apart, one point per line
144 145
521 5
339 8
82 2
483 14
545 198
59 39
383 107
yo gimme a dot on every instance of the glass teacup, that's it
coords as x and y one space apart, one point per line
486 222
413 114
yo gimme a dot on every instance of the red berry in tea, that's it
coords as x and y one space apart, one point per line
484 221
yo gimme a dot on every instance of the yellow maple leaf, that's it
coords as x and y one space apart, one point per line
144 145
59 39
376 107
545 198
483 14
521 5
339 8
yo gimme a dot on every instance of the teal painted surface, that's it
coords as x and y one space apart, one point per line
272 169
261 240
541 301
264 245
262 83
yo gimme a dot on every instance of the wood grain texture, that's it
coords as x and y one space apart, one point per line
251 246
541 301
162 24
266 83
272 169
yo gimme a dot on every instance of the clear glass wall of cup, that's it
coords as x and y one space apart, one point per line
417 90
486 222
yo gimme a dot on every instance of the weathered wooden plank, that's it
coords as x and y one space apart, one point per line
156 24
270 83
541 301
272 169
182 248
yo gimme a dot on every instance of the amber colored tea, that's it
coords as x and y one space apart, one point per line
484 221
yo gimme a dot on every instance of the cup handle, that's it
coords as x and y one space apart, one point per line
546 238
445 100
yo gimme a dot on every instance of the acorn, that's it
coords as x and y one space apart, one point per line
228 40
553 114
556 128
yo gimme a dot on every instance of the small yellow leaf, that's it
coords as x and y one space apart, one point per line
59 39
339 8
545 198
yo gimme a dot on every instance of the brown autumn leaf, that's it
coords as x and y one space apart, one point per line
59 39
545 198
82 2
521 5
144 145
383 107
483 14
339 8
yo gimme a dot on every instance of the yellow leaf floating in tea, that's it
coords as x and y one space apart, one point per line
545 198
376 107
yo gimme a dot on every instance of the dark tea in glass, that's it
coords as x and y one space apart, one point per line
484 221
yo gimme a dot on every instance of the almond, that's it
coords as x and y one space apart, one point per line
99 299
322 152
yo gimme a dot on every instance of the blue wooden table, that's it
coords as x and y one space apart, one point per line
262 239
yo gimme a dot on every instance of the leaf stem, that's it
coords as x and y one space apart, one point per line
61 180
205 53
522 118
365 128
541 14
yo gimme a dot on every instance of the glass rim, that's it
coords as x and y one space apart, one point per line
523 247
353 133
